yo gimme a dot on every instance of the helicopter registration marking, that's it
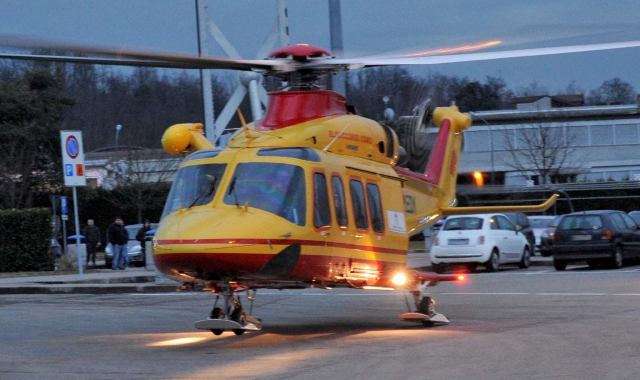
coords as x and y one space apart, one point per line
350 136
396 222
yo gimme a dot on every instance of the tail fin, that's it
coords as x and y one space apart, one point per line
442 168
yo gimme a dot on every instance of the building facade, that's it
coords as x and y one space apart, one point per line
597 143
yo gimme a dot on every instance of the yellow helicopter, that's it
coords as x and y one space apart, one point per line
311 195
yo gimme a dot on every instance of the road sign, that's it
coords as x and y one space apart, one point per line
72 158
63 205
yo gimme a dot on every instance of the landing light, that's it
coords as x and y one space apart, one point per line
176 342
399 279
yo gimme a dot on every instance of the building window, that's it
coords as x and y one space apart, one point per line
601 135
618 176
578 136
626 134
476 141
504 139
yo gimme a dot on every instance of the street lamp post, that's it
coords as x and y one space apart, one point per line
118 128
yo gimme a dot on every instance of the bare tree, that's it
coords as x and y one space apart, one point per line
613 91
136 176
541 149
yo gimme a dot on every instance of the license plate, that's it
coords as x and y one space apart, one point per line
580 237
458 241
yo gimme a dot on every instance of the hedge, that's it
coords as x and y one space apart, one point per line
25 240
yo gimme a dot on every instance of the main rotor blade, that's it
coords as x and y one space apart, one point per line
469 57
128 57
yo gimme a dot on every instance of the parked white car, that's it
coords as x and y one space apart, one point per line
486 239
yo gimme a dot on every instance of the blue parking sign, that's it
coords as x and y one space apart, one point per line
63 205
68 170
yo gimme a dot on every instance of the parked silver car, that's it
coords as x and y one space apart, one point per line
136 256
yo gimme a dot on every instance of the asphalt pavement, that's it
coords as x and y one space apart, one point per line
100 280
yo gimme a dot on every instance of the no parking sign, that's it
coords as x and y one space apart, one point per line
72 158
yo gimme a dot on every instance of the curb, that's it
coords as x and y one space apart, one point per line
88 289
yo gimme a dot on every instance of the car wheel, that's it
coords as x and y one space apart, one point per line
559 264
617 260
493 263
525 262
545 253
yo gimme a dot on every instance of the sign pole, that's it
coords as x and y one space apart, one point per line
73 169
75 212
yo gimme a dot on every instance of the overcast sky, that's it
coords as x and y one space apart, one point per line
369 27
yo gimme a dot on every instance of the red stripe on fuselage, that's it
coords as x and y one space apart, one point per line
313 243
309 268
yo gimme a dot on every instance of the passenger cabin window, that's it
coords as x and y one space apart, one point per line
275 188
321 213
375 207
338 201
359 205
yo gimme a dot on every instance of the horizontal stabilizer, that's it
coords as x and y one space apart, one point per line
486 209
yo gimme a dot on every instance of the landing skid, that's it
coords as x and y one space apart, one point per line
426 320
232 316
425 310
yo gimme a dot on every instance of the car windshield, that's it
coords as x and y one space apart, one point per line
540 222
272 187
581 222
468 223
194 185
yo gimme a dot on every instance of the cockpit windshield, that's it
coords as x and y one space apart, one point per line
275 188
194 185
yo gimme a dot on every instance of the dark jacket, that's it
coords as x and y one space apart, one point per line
118 235
92 233
141 235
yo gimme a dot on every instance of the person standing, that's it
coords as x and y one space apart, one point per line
119 237
142 237
92 238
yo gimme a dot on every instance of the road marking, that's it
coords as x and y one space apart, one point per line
540 294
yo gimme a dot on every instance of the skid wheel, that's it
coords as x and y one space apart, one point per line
238 315
216 313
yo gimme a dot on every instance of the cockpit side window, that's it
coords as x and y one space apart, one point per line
194 185
272 187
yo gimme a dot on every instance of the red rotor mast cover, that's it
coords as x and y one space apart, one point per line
300 52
